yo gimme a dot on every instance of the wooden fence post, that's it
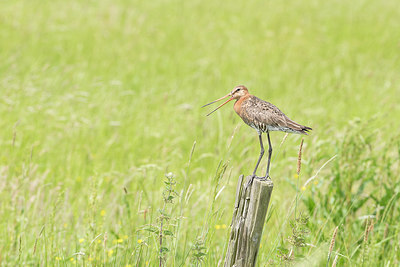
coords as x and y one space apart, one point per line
251 206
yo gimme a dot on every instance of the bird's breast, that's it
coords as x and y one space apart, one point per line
238 107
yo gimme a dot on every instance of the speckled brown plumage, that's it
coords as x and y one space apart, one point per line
264 116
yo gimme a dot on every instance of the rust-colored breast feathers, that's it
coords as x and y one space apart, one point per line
238 107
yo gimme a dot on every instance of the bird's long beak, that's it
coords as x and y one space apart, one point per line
228 95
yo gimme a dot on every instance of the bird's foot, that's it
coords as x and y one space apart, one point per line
266 178
253 176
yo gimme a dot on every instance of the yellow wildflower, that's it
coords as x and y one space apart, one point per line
102 213
223 226
140 241
90 259
303 188
110 252
58 258
217 226
119 240
81 240
296 176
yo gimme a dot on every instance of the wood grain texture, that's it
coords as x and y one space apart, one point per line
251 206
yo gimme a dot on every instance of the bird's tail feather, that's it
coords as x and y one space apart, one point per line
301 129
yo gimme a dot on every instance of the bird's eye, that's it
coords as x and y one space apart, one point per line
237 90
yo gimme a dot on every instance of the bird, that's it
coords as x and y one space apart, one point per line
262 116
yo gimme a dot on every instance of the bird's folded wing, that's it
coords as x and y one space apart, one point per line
265 116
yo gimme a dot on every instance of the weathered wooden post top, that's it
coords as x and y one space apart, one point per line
251 206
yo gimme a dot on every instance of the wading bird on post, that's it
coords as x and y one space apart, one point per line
263 116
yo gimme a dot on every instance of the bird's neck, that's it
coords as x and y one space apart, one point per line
238 104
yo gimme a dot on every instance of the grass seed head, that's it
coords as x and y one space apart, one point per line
299 157
333 239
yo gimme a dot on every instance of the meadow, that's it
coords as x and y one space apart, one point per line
102 138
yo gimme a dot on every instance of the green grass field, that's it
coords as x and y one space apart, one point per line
100 105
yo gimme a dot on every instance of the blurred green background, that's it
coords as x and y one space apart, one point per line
98 96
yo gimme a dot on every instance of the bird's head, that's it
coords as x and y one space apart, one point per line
235 94
239 91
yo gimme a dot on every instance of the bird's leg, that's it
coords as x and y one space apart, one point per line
258 161
261 154
269 157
